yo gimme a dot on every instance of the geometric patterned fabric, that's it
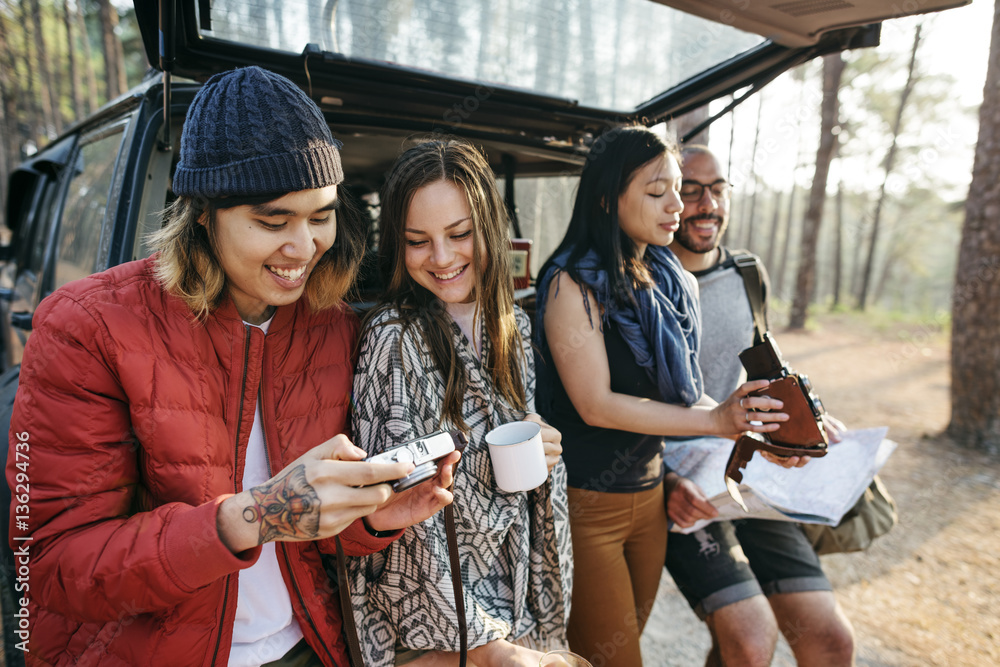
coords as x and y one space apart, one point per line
514 548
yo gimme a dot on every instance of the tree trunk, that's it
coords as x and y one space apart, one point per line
748 220
797 76
33 112
114 58
786 242
772 240
485 30
8 121
76 85
621 16
805 284
88 57
329 23
893 254
838 246
57 61
732 138
549 74
856 236
890 160
975 346
314 10
586 51
52 125
543 68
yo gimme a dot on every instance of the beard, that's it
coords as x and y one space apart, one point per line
693 241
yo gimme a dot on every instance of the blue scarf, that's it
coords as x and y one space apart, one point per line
663 332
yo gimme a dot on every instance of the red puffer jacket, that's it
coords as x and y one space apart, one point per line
137 420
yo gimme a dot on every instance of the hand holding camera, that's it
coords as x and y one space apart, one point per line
424 453
804 434
804 427
413 501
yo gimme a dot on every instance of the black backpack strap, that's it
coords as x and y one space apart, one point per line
347 608
456 582
749 267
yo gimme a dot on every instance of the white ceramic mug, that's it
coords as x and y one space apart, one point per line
518 456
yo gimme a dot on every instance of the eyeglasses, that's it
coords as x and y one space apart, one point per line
693 191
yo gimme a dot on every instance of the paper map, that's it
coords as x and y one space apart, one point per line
819 492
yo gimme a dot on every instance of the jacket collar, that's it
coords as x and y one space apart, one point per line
227 314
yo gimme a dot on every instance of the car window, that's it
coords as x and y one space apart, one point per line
31 191
604 55
544 204
34 244
80 232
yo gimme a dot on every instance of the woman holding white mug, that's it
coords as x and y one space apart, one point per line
448 349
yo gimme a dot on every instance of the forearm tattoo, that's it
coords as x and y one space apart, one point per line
285 507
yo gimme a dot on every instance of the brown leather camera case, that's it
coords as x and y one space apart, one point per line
802 428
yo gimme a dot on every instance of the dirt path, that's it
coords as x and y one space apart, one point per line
929 592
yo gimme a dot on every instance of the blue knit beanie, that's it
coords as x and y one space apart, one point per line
253 132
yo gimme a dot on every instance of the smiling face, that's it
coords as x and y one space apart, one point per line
269 250
704 221
648 210
440 242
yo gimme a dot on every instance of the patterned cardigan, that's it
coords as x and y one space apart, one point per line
514 548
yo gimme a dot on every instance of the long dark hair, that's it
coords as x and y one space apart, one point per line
463 165
612 163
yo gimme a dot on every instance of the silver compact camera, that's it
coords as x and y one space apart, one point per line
424 452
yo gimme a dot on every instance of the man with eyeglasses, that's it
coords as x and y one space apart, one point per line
750 578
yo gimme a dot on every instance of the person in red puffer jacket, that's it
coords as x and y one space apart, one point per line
185 415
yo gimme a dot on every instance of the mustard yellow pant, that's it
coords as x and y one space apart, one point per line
619 544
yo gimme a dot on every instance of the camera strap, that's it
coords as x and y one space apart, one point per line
347 608
749 268
456 581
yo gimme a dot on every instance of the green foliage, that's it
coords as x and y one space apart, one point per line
21 53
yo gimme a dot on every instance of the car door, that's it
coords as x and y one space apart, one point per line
32 210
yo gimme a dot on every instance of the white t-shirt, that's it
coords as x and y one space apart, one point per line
265 628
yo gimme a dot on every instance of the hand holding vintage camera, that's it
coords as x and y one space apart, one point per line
314 497
749 409
424 453
802 435
804 427
434 456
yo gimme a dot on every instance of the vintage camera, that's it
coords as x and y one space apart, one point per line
802 435
805 409
424 452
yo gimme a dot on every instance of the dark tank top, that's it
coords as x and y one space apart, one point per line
603 459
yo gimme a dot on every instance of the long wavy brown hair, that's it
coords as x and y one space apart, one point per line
463 165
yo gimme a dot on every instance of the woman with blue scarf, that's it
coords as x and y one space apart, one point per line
618 329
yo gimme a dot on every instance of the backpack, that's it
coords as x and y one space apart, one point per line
755 282
875 512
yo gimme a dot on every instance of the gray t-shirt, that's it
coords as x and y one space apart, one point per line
727 327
